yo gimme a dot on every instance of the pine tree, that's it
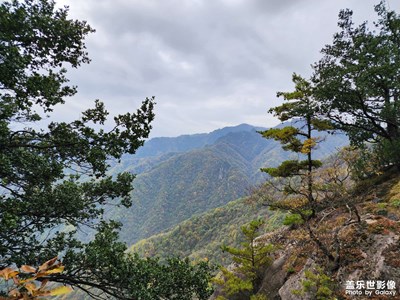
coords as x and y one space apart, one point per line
251 260
301 109
357 81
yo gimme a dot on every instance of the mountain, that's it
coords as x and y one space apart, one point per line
189 175
184 143
160 149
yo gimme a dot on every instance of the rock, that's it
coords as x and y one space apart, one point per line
275 277
294 283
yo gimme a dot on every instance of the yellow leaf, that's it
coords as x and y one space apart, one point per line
56 270
59 269
8 273
31 287
62 290
27 280
27 269
48 264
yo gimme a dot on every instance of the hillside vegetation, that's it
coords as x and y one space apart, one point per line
176 186
197 238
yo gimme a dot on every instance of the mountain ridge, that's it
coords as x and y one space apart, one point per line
187 142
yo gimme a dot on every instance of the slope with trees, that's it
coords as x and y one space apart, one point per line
353 231
197 238
355 86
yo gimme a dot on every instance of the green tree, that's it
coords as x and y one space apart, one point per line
251 260
138 278
54 176
317 285
298 192
298 174
357 82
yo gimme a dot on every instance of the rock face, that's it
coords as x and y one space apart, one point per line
274 278
294 283
369 251
352 253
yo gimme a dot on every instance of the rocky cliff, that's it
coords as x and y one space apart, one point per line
362 235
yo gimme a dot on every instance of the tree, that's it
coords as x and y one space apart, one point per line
251 260
54 177
301 108
357 82
133 277
298 191
317 285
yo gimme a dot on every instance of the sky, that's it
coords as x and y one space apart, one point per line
209 63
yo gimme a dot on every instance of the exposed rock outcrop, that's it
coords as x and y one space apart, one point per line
366 252
369 250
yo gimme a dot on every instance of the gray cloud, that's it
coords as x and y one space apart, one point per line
209 63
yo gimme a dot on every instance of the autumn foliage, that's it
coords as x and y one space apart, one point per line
29 282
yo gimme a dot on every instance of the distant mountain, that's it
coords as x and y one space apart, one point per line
186 184
189 175
160 149
184 143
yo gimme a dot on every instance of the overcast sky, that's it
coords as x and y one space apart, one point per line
209 63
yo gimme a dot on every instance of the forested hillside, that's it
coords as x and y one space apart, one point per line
197 238
177 186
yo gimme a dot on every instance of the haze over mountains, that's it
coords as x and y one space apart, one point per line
190 174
